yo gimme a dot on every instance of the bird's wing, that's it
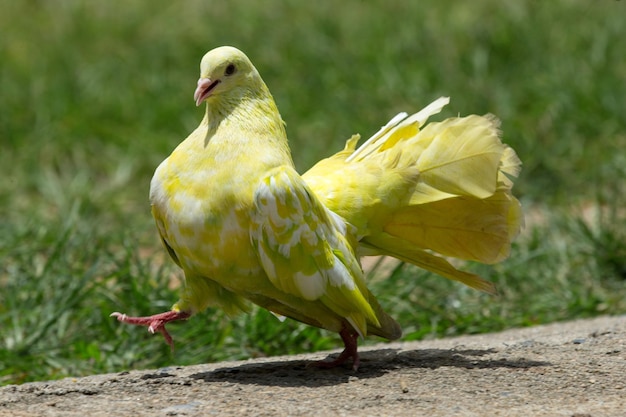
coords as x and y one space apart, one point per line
305 249
161 228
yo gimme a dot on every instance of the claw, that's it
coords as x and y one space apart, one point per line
155 323
349 338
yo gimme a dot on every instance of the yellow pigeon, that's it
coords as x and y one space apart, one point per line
245 227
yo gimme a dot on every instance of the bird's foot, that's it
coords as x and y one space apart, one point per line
155 323
349 338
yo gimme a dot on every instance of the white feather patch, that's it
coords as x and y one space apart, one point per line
281 318
311 287
339 276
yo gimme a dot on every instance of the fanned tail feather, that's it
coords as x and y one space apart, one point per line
390 134
419 192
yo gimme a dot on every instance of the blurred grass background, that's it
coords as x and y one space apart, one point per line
93 95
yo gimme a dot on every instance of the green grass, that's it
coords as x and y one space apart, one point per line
93 95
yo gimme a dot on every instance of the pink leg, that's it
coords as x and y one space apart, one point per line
349 338
155 323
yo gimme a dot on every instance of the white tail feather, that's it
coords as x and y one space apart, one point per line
379 138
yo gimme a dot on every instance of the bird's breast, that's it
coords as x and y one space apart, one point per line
204 213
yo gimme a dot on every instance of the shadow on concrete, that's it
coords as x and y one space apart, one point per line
374 363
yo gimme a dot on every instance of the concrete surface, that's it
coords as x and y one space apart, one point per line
575 369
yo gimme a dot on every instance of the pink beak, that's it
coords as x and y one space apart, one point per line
205 86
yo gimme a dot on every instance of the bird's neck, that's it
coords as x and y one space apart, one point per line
248 122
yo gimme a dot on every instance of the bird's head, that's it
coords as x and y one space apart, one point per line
222 70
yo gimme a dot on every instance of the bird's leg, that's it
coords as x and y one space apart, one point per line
349 337
155 323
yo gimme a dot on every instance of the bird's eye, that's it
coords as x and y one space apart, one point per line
230 69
